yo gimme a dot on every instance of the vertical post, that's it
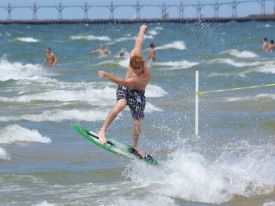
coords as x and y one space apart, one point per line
197 105
86 11
9 11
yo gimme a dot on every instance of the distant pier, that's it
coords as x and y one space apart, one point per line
265 11
259 18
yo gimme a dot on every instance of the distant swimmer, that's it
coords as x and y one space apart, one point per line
265 45
50 58
122 53
102 51
271 46
152 53
131 92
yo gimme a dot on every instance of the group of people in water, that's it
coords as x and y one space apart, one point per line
102 51
51 59
268 46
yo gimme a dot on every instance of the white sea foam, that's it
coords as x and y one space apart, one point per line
125 62
19 71
159 28
121 39
59 116
266 26
92 96
27 39
177 64
151 108
267 67
104 96
154 31
234 63
3 154
44 203
149 200
22 135
180 45
186 174
148 36
240 54
250 98
269 204
90 37
155 91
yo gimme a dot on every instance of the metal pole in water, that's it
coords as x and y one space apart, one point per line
197 105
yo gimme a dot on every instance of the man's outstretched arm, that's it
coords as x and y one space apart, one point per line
117 80
139 41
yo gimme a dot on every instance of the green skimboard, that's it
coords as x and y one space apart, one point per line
113 145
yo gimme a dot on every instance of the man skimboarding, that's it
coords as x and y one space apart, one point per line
131 92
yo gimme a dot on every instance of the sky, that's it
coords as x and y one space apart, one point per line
244 9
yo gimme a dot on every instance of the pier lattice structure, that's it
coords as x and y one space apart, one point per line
163 7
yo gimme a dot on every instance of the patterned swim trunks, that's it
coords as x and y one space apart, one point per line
135 100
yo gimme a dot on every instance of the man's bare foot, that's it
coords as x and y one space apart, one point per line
140 151
102 138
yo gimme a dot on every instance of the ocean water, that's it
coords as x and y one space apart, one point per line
43 161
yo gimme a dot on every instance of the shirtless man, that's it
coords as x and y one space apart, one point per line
271 46
102 51
265 45
130 92
152 54
50 58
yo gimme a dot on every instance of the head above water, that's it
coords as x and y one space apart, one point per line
152 45
137 62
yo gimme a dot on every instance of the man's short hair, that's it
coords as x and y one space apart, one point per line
137 62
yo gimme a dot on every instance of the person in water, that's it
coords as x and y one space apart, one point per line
131 92
152 53
122 53
50 59
271 46
102 51
265 45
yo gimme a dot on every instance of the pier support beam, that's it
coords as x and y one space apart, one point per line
181 10
164 13
9 9
138 8
60 9
112 9
34 11
216 8
234 8
262 7
199 7
86 8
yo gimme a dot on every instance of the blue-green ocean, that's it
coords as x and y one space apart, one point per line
44 162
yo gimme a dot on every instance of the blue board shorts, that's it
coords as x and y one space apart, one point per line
135 100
